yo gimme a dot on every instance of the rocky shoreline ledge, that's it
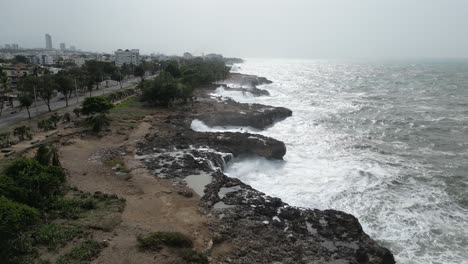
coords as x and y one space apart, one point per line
248 226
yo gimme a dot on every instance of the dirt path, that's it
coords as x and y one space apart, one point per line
151 204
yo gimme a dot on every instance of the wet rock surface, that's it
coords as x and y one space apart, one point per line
258 228
259 118
264 229
251 90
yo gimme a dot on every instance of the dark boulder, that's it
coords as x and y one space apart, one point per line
259 119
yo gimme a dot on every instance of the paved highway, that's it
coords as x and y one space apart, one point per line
59 104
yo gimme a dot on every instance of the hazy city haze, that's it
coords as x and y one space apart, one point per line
276 29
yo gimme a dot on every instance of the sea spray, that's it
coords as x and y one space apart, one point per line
386 142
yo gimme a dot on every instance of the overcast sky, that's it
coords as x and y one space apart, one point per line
245 28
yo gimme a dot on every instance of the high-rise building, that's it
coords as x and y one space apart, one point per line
72 48
48 41
15 46
127 57
62 46
7 46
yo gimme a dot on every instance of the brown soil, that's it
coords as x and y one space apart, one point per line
152 204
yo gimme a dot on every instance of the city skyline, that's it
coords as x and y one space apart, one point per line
297 29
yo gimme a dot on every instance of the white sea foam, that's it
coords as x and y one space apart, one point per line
358 142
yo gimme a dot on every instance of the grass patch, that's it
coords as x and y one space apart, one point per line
154 241
191 256
127 102
77 204
53 235
83 253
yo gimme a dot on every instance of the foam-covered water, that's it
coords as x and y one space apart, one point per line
386 142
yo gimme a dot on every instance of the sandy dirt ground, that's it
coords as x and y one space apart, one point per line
152 204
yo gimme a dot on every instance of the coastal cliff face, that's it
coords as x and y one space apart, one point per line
249 226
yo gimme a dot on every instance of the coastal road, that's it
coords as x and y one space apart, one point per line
59 104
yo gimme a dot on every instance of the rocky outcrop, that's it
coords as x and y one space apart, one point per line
251 90
258 228
259 118
264 229
245 80
235 143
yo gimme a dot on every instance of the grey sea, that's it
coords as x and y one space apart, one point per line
384 141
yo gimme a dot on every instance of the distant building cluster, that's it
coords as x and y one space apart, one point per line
12 46
127 57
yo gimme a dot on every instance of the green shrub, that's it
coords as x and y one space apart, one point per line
70 208
54 119
53 235
66 118
45 125
191 256
77 112
27 181
83 253
98 122
154 241
5 140
15 218
94 105
47 155
22 132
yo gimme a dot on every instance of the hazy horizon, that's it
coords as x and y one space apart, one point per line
330 29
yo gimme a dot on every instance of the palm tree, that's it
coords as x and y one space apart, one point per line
98 122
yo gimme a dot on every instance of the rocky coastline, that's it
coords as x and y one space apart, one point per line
258 228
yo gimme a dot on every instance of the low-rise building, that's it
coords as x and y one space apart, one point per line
44 59
127 57
79 61
15 72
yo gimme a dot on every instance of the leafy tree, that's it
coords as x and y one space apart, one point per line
96 104
64 85
126 69
46 89
99 70
26 100
117 76
80 77
22 132
160 91
94 71
140 72
15 218
173 69
27 181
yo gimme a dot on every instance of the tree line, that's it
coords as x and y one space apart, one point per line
177 81
43 85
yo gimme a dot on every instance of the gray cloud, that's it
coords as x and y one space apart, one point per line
255 28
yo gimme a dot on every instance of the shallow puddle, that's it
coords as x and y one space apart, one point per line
198 182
